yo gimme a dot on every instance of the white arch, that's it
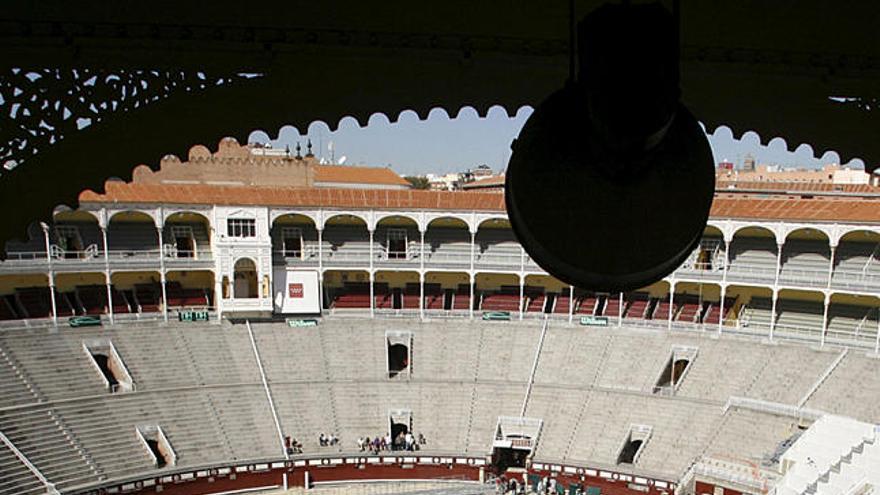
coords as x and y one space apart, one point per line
329 215
773 229
274 215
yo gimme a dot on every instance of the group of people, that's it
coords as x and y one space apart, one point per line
543 486
327 440
292 445
403 441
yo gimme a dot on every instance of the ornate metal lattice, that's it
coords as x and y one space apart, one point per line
43 106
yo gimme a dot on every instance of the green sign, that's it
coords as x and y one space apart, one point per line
496 315
293 323
193 316
84 321
594 321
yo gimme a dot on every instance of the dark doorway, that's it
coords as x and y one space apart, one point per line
504 459
398 359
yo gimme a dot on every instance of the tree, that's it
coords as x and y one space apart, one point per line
418 182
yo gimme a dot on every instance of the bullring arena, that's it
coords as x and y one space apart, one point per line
359 312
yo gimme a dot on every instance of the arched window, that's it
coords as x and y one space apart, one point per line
245 280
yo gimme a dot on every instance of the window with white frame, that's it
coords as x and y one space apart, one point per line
292 241
241 227
184 241
397 243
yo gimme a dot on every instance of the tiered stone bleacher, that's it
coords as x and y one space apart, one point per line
201 384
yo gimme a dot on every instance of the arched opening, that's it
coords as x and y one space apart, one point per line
346 240
709 255
187 235
751 310
448 242
75 235
542 293
190 289
397 238
294 238
857 261
853 318
81 293
136 292
133 234
24 296
245 281
497 292
806 256
400 428
346 289
753 253
447 291
800 314
397 290
497 245
699 303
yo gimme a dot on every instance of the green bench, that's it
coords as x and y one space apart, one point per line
496 316
84 321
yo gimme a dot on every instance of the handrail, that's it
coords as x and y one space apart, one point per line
534 366
266 388
50 487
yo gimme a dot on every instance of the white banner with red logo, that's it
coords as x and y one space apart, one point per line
296 292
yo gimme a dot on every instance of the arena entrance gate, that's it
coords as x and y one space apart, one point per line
398 348
514 442
399 424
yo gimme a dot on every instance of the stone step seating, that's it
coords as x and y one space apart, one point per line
446 351
34 430
680 429
54 363
722 369
749 436
571 355
846 391
290 354
353 350
805 261
794 316
507 352
305 411
631 365
560 409
758 313
222 354
14 389
854 260
17 479
789 373
852 322
753 258
491 401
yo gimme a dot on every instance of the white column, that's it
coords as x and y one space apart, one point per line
778 265
50 273
773 313
473 249
321 269
726 260
570 303
831 265
162 274
471 305
422 250
521 294
825 318
620 310
372 276
107 278
372 295
422 295
52 297
721 308
671 302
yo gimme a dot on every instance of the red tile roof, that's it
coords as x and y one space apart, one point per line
358 175
818 209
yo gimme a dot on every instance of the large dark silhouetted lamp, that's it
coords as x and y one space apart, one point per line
611 179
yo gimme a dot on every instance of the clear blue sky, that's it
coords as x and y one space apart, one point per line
442 144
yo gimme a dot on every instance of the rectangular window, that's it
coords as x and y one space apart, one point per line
241 227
